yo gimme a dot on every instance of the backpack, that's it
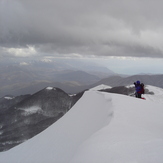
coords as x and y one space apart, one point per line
142 88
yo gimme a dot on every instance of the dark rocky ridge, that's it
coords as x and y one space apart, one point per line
129 91
121 90
8 101
23 117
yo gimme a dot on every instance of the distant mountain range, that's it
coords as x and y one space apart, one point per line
77 81
29 77
155 80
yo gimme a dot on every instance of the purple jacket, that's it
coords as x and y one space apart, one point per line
138 88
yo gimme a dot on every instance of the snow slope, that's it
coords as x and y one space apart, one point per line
100 87
158 94
100 128
135 135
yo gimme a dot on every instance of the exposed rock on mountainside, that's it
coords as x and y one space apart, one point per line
125 90
120 90
8 101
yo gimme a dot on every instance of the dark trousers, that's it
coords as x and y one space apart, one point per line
138 95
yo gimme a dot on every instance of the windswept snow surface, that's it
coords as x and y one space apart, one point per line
158 94
100 128
100 87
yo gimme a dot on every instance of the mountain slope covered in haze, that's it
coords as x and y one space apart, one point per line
77 82
27 77
24 76
155 80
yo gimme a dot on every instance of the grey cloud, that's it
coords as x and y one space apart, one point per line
96 27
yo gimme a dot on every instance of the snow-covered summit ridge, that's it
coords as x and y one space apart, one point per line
152 93
154 89
100 87
156 94
101 127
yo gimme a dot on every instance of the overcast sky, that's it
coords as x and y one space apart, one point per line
83 28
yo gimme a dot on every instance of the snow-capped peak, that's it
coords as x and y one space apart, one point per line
8 98
50 88
100 87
